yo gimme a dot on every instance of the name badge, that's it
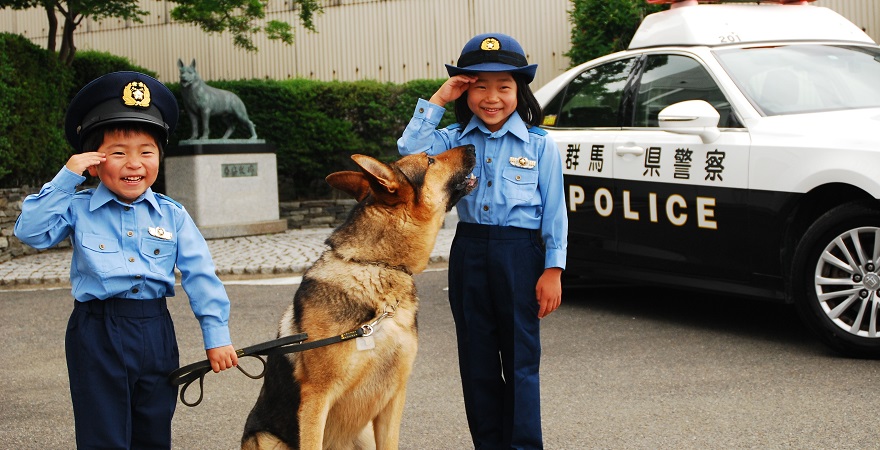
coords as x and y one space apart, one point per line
160 233
522 162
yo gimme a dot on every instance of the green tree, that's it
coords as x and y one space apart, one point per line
600 27
239 17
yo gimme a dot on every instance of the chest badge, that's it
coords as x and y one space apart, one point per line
522 162
160 233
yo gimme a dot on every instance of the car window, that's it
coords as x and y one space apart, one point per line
791 79
592 99
670 79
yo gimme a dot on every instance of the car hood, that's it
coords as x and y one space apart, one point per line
855 128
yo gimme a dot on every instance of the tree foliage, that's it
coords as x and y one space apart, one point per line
241 18
600 27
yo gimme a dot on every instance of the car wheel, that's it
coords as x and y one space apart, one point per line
836 279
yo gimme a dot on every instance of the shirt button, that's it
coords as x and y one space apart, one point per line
101 246
138 277
489 160
486 208
156 251
135 291
489 183
127 208
130 233
421 110
518 178
130 259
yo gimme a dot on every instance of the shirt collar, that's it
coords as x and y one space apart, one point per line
514 125
104 195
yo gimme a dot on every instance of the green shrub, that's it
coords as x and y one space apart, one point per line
34 87
91 64
600 27
316 126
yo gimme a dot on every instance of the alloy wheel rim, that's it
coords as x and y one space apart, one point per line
847 280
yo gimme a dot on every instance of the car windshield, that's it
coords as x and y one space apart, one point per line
792 79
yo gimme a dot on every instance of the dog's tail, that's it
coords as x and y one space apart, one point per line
263 441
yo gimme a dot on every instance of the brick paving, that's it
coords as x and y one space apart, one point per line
291 252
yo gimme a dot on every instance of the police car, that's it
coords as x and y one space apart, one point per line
733 149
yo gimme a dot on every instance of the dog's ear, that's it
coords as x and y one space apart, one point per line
194 63
352 183
377 172
179 63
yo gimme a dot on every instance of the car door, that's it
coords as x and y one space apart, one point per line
682 200
584 119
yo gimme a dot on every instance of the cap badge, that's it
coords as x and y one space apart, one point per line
136 93
523 162
490 44
160 233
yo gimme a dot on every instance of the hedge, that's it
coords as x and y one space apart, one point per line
315 126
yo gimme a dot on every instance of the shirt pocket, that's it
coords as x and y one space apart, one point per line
101 253
160 253
520 184
478 171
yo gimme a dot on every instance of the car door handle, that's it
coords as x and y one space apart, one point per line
630 150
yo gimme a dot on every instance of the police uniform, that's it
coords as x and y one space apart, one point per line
120 341
512 227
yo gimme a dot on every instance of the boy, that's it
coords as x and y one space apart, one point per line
120 342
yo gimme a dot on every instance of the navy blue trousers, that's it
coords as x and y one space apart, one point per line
119 355
493 271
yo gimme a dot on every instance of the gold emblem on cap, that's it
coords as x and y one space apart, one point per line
490 44
136 93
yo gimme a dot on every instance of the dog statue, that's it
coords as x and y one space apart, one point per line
350 395
202 102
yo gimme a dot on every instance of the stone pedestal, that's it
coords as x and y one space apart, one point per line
229 187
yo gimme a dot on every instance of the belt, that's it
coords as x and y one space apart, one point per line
477 230
125 307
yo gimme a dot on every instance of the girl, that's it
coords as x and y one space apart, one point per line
510 244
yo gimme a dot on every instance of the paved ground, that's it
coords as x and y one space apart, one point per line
290 252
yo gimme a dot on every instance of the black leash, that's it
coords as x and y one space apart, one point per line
188 374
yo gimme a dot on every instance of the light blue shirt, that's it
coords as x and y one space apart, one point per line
115 254
519 171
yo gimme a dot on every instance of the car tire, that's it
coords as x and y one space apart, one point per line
836 279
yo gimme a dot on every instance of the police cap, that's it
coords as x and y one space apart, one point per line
493 52
120 97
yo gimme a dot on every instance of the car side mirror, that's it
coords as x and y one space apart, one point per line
696 117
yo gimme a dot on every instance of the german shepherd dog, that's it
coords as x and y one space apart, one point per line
350 395
201 102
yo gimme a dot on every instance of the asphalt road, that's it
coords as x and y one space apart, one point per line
623 368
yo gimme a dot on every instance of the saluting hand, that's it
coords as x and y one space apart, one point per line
452 89
81 161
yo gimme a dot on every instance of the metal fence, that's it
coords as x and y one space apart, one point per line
384 40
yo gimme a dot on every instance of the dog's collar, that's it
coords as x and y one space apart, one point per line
381 264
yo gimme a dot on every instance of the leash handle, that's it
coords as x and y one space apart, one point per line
200 375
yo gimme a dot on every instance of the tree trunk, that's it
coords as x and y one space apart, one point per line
68 50
53 27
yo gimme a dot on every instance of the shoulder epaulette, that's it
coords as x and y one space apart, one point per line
453 126
168 199
85 192
537 130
